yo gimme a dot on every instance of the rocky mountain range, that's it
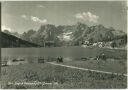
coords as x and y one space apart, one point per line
71 34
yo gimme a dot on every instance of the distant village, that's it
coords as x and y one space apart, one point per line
98 44
110 45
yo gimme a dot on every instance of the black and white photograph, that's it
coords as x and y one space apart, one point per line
63 44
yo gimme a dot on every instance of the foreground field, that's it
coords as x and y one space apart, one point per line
58 77
46 75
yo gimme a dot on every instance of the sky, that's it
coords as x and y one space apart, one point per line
22 16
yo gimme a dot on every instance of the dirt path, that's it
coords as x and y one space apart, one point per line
73 67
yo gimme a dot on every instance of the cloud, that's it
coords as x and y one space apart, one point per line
6 28
40 6
87 16
79 16
36 19
24 16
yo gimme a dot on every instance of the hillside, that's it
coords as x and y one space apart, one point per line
8 40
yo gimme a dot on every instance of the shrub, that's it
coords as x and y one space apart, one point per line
31 76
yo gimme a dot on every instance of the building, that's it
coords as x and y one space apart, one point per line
94 44
87 43
108 44
101 44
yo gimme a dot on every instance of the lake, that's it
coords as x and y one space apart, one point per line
75 51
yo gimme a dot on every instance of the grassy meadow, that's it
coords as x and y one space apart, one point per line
58 77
